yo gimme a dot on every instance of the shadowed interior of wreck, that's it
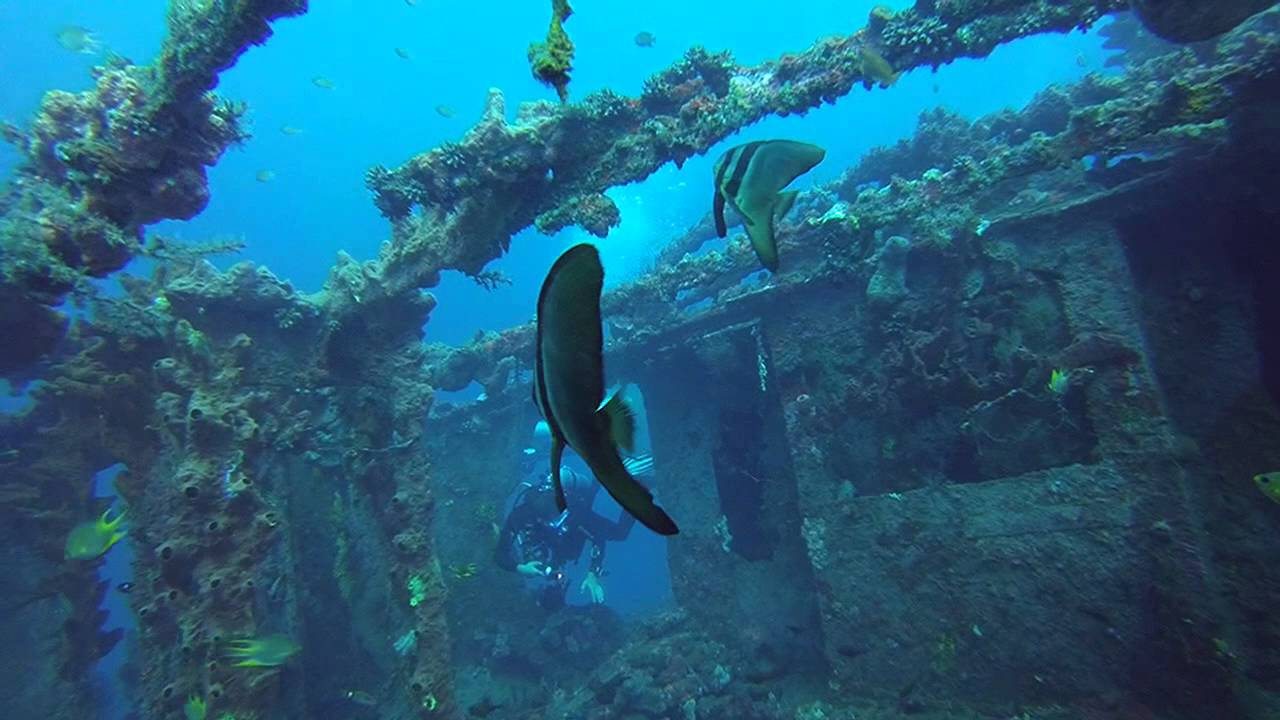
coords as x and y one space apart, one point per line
737 471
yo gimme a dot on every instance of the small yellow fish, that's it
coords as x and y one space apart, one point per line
1269 484
265 176
361 697
645 39
403 54
323 82
1058 383
77 39
269 651
875 67
465 571
445 111
92 539
290 130
195 709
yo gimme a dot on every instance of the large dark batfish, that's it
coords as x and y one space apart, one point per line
751 177
568 385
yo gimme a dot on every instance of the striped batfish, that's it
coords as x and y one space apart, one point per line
751 177
568 386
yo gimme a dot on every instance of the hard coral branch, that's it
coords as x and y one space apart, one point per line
206 37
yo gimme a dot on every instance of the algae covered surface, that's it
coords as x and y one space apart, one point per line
967 412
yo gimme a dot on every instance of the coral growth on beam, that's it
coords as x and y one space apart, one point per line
953 178
552 165
552 60
97 166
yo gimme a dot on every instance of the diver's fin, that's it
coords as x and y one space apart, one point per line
638 464
557 449
622 421
634 498
786 200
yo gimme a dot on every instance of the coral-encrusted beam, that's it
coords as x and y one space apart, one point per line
550 167
99 165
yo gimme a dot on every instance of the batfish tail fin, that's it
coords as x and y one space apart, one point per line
639 464
634 498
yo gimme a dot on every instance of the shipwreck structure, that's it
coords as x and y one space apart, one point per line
984 444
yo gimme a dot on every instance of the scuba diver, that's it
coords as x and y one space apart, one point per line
539 542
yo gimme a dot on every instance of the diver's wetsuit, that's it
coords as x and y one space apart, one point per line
535 531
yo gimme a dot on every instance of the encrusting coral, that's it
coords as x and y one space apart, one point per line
552 59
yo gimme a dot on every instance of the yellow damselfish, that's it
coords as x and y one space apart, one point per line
269 651
464 571
1269 484
93 538
1058 383
875 68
